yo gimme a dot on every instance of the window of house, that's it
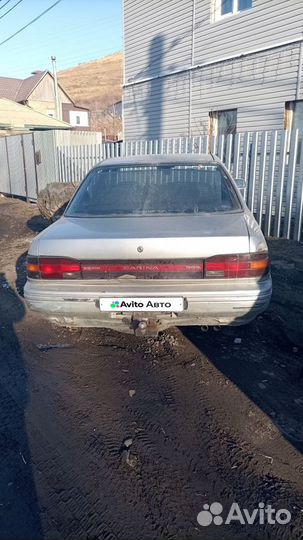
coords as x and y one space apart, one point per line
223 122
231 7
79 118
293 118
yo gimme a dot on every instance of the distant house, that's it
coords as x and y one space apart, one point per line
194 67
37 92
16 119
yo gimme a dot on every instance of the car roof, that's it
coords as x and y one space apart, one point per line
159 159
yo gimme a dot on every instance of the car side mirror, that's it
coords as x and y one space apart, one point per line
241 185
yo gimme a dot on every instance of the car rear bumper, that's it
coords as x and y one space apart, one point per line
220 302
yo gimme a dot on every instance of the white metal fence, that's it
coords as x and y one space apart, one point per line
271 162
76 153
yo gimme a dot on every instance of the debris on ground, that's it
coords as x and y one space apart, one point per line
128 442
23 458
129 459
47 347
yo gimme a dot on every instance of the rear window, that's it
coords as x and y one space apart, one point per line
148 190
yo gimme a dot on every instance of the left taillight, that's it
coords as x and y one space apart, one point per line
53 268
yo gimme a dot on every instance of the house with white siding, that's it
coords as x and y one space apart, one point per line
194 67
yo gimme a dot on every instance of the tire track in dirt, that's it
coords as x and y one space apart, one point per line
233 452
96 456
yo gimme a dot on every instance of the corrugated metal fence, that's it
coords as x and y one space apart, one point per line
271 162
29 162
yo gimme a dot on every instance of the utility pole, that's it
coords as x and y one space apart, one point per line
56 90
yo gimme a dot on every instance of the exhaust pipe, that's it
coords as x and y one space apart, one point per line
217 328
204 328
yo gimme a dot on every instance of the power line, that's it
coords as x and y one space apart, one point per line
66 41
30 22
11 9
64 61
5 4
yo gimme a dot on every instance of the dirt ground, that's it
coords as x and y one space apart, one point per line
209 419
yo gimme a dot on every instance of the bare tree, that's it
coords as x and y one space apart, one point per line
109 121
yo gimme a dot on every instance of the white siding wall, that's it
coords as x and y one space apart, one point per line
157 36
257 86
158 108
268 23
159 40
83 117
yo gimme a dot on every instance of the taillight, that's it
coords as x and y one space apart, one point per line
53 268
32 267
237 266
64 268
220 266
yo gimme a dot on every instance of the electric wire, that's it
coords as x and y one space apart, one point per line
11 9
30 22
5 4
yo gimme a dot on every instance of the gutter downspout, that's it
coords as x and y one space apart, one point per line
124 79
192 64
300 68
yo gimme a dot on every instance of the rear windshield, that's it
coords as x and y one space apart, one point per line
148 190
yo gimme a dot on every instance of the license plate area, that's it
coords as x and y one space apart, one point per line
142 304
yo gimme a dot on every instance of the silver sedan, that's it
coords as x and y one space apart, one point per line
150 242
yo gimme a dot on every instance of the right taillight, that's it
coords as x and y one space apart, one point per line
237 266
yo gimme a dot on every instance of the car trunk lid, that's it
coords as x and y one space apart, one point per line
145 238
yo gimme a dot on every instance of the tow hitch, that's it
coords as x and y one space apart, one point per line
145 327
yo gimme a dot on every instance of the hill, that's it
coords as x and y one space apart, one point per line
96 84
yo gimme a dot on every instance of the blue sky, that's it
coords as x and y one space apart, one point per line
75 31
